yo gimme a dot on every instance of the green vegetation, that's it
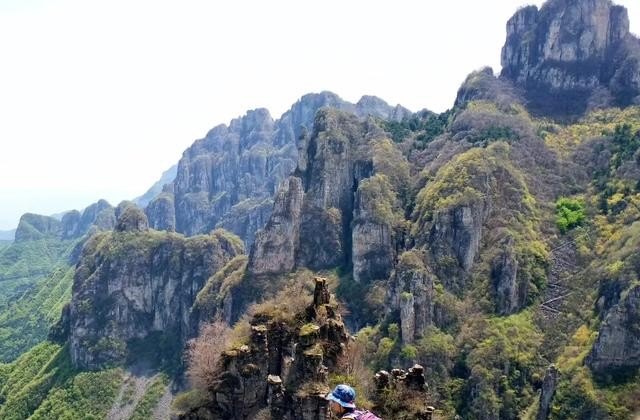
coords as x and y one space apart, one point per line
493 133
424 127
469 178
35 283
219 286
149 401
379 200
89 395
42 384
503 361
570 213
26 321
28 380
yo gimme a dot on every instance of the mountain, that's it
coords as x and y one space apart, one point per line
36 273
228 179
485 259
571 57
166 178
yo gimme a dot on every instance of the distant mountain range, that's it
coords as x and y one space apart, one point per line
490 252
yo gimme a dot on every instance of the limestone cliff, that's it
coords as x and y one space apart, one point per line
98 216
34 226
161 212
134 288
411 294
228 178
331 212
284 366
570 56
617 349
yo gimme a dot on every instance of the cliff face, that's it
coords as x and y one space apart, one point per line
617 349
571 56
283 368
34 226
98 216
411 294
330 214
228 178
134 288
275 247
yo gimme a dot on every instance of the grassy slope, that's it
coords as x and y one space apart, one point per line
35 283
42 384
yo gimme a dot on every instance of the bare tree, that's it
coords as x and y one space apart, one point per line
204 354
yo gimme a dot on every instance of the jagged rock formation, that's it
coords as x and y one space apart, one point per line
275 246
509 294
98 216
161 211
482 85
617 349
161 185
313 228
409 388
571 56
228 178
548 391
456 232
131 219
34 226
372 235
412 379
133 289
284 366
411 292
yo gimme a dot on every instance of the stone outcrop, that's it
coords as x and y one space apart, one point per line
275 247
412 379
547 393
509 294
100 215
406 385
350 211
247 217
411 292
131 219
573 55
161 212
34 226
283 368
455 236
483 85
372 235
133 289
162 185
617 349
73 225
235 170
319 235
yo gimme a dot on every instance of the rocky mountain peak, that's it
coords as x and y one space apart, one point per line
35 226
579 53
132 219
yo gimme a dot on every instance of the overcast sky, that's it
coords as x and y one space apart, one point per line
98 98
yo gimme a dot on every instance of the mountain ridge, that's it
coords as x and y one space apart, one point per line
493 247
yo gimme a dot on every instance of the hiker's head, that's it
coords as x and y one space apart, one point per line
342 399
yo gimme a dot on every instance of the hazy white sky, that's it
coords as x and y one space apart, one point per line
97 98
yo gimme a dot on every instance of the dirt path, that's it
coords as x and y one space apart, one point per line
133 390
163 409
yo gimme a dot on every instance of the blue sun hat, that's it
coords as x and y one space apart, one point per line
343 395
